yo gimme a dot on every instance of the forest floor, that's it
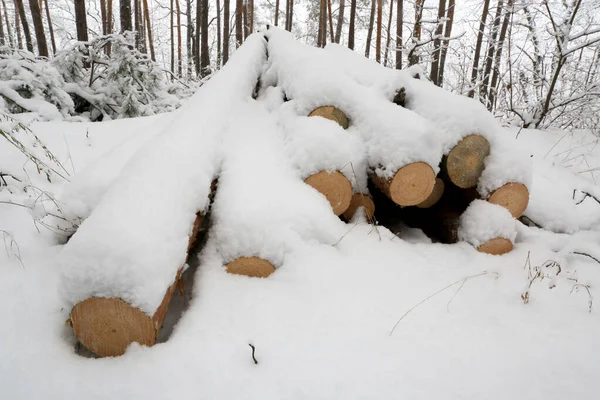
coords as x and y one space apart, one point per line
375 316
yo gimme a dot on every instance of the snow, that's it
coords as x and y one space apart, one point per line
393 137
321 324
135 241
483 221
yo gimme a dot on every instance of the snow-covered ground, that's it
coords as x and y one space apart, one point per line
352 312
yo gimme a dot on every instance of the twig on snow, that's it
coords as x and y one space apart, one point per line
586 255
253 350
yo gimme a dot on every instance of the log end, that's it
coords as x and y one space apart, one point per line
360 200
512 196
412 184
332 113
435 196
251 266
106 326
496 246
335 187
464 163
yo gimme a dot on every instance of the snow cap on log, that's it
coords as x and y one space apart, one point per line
482 222
135 240
393 137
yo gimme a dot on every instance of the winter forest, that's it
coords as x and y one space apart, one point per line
533 64
309 199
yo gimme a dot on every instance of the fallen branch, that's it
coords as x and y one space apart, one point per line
253 350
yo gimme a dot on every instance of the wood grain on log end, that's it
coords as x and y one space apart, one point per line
435 196
335 187
360 200
251 266
464 163
496 246
106 326
512 196
411 185
332 113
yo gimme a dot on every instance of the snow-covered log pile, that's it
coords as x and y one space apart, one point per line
297 137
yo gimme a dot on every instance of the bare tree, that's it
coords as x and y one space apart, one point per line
388 36
276 12
446 40
370 30
434 75
103 16
8 29
413 56
18 26
50 27
399 24
172 34
197 38
204 54
352 23
483 90
219 55
475 69
379 23
239 33
38 26
498 55
331 37
251 15
189 37
139 26
125 12
225 32
340 22
24 24
322 32
149 29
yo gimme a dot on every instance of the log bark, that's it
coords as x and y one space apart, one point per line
253 267
332 113
336 188
464 163
410 185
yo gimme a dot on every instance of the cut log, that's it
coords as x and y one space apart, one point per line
195 231
435 196
360 200
512 196
332 113
335 187
464 163
106 326
496 246
411 185
251 266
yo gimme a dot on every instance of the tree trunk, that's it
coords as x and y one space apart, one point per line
109 22
291 16
81 21
197 38
320 32
18 26
50 28
149 29
388 35
103 15
239 33
2 36
370 31
276 12
399 24
179 42
189 38
475 70
204 54
38 26
219 54
379 24
25 25
245 19
8 29
352 22
251 15
447 34
330 21
490 53
225 31
498 56
340 22
125 10
413 57
437 43
172 34
139 27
